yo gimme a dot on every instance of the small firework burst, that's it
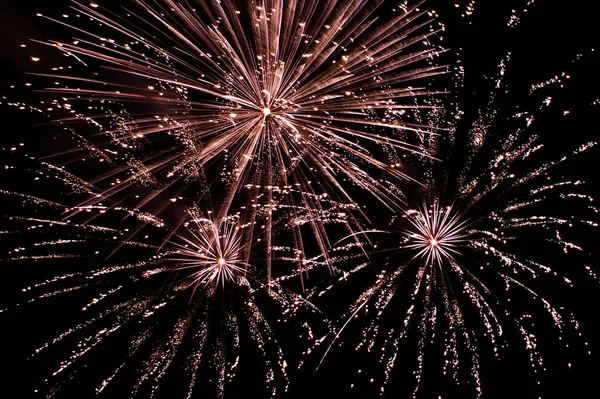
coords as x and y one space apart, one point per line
436 233
213 253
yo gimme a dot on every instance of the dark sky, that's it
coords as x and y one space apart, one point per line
550 36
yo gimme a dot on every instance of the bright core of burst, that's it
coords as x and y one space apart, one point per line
436 233
221 261
266 111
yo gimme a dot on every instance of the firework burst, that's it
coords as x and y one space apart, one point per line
190 309
270 105
213 253
462 277
437 232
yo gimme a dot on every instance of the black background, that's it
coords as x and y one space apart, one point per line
546 42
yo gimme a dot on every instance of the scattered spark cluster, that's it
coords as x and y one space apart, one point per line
213 155
192 301
469 234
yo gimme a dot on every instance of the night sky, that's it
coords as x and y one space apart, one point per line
550 39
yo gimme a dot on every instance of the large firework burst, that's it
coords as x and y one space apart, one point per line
269 105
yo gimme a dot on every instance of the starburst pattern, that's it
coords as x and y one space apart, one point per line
436 233
273 106
213 253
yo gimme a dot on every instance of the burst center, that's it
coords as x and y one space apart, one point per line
221 261
266 112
